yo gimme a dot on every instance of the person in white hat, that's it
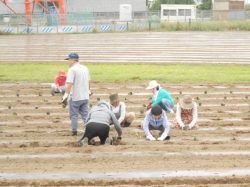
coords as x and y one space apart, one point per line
186 114
161 97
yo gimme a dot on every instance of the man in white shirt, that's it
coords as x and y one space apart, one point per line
78 88
119 109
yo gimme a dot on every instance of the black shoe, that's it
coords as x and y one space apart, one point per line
167 138
74 133
126 124
83 141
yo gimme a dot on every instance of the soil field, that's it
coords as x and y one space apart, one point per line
37 149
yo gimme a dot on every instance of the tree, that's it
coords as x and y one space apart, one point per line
157 4
205 5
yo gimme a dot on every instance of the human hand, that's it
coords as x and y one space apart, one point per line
150 137
65 96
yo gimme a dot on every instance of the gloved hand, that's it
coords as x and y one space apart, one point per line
90 93
163 136
65 96
149 106
150 137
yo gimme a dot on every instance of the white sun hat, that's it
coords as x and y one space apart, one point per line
152 84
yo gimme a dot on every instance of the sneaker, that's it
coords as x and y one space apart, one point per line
74 133
83 142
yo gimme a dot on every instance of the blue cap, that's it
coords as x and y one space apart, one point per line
72 55
103 102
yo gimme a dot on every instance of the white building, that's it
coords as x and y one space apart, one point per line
176 12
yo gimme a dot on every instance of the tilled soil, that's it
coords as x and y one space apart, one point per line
38 150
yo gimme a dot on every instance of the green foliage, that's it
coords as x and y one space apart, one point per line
174 73
205 5
157 4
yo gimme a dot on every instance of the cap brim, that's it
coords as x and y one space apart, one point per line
67 58
149 87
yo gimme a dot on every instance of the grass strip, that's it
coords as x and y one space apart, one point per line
172 73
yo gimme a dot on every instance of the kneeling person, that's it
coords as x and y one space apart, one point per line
119 108
156 119
59 85
98 124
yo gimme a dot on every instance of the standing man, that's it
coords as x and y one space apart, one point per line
59 85
78 88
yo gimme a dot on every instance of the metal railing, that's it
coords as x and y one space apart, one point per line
88 18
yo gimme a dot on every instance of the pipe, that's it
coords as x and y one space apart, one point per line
62 11
28 12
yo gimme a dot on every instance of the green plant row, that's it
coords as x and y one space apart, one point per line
174 73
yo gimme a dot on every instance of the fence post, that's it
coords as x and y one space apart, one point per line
189 22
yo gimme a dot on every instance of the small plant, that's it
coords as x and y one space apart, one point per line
200 103
246 96
45 100
39 93
14 113
1 129
34 138
98 98
57 118
177 98
218 118
222 104
36 107
197 98
218 126
130 93
231 92
180 92
38 129
19 100
48 112
225 97
195 138
9 106
17 92
219 111
143 105
205 92
234 138
142 110
125 99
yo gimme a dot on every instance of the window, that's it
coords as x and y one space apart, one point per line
184 12
167 12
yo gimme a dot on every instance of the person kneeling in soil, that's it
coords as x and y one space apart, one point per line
97 124
161 97
119 109
186 114
156 119
59 85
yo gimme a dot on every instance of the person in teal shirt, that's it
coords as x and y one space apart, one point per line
161 97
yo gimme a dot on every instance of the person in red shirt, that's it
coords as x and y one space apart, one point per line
60 83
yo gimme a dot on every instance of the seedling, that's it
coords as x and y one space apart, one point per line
48 112
39 93
143 105
38 129
219 111
231 92
205 92
218 126
222 104
17 93
218 118
57 118
9 106
130 93
45 100
19 100
197 98
180 92
14 113
1 129
234 138
142 110
225 97
200 103
177 98
246 96
98 98
34 138
195 138
36 107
